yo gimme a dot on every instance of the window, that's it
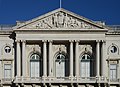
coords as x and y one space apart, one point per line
7 71
35 63
61 64
113 49
113 72
85 66
7 49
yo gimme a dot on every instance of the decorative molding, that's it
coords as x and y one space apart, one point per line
62 20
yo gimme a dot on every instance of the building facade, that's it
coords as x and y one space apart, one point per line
60 49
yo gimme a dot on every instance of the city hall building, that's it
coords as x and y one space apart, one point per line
60 49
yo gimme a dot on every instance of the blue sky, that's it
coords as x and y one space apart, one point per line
23 10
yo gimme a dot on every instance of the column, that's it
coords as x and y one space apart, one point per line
44 58
98 58
71 58
24 60
18 59
104 63
50 58
76 59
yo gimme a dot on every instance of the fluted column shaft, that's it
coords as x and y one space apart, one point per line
50 58
44 58
71 58
98 58
23 58
104 64
18 59
76 59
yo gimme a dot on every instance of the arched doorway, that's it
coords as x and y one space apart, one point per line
35 65
86 66
61 65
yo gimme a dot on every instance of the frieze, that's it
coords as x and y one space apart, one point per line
60 20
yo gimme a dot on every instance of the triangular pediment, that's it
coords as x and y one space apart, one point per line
59 19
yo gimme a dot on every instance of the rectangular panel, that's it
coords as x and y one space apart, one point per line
32 69
111 74
60 69
113 71
114 74
87 69
37 68
7 70
83 69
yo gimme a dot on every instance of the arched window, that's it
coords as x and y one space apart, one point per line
61 65
35 65
86 66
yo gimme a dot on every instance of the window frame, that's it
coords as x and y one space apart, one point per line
86 59
113 70
6 69
35 59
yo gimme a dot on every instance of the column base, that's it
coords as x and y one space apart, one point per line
71 77
44 77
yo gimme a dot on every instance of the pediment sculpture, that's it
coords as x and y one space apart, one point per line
60 19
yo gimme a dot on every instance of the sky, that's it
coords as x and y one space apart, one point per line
107 11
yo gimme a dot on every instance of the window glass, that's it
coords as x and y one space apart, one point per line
7 49
113 71
113 49
60 65
35 65
85 66
7 70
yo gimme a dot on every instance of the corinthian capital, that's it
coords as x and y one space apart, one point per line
17 41
98 41
24 41
71 41
44 41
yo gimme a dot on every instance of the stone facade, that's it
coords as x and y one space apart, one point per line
60 49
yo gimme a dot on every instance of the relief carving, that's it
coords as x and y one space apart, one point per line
61 20
33 48
86 48
56 48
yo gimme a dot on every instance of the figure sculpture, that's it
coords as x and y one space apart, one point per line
60 20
